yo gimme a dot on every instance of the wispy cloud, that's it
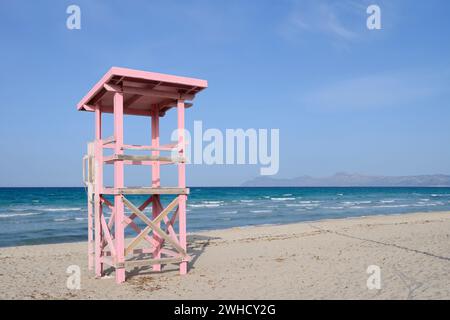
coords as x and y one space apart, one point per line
390 89
339 22
333 19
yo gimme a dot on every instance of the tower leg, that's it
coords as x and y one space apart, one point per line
156 184
98 183
91 251
158 240
182 225
98 237
119 183
181 183
119 238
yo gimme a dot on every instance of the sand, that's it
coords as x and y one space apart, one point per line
317 260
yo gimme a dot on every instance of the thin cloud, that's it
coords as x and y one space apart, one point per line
323 17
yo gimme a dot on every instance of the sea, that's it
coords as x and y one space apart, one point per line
53 215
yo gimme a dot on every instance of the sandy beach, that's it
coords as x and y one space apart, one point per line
317 260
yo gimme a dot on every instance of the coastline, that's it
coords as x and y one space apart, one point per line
323 259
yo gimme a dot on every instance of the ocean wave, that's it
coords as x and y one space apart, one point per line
387 201
260 211
302 205
356 202
59 209
393 206
425 204
334 208
212 202
229 212
310 201
282 199
61 219
10 215
205 205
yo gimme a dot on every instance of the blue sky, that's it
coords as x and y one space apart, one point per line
345 98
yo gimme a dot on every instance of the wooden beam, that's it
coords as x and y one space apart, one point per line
155 228
169 223
146 190
129 157
109 140
108 236
148 92
131 100
147 229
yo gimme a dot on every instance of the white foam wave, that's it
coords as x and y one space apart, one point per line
60 209
205 205
356 202
260 211
302 205
393 206
282 199
10 215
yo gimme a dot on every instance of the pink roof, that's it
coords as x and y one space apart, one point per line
137 80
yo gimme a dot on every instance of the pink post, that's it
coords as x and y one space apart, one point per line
156 183
91 250
90 196
181 182
98 189
119 183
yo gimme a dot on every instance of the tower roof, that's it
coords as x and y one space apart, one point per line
142 91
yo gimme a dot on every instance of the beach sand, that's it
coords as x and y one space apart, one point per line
317 260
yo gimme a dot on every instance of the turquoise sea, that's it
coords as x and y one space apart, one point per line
50 215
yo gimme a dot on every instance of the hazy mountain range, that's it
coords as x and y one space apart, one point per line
343 179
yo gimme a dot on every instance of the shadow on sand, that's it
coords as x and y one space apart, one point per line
196 246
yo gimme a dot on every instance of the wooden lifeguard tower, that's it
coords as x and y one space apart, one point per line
132 92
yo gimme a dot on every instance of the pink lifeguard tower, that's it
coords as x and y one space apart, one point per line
122 92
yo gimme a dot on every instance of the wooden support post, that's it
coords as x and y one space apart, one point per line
182 184
156 182
89 180
119 183
91 249
98 185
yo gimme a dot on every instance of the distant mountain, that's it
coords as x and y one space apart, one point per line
343 179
